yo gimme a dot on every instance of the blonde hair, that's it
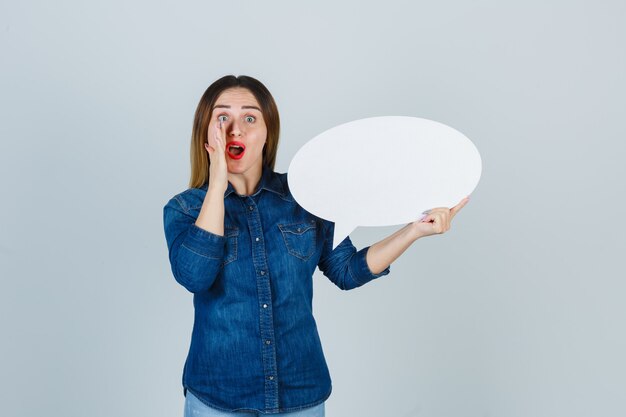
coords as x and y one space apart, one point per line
199 157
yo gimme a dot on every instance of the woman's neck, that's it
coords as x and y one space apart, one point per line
246 182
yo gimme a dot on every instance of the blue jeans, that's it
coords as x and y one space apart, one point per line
196 408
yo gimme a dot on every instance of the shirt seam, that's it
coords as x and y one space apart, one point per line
351 272
180 202
198 253
280 410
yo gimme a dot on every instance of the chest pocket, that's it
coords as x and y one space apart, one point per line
300 238
231 233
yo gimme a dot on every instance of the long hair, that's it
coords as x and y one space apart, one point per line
199 157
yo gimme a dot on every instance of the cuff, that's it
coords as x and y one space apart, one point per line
361 272
205 243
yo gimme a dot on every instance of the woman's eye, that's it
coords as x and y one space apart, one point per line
250 119
222 118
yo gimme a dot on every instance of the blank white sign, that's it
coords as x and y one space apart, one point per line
383 171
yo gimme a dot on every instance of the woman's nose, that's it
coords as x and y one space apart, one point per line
234 129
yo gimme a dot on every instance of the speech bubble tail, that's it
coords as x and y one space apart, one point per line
342 230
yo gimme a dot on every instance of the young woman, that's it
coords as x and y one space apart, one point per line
247 251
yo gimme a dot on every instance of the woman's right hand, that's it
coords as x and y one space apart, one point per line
216 148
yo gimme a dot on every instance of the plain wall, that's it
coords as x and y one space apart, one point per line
518 310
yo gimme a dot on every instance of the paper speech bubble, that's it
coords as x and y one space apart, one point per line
383 171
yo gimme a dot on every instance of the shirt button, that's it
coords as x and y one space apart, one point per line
299 230
262 272
257 239
267 342
271 378
251 208
264 305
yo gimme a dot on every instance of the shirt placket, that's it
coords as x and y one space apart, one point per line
266 323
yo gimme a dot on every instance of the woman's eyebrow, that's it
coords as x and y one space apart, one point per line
224 106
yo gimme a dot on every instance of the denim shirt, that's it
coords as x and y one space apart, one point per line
254 344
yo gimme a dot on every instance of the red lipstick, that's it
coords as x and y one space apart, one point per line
235 149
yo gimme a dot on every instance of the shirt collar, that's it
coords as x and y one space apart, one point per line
269 181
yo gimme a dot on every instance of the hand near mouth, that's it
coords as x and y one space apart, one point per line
218 170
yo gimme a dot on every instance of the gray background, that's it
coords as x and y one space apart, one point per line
517 311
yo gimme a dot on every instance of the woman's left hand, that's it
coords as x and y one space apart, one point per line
437 221
383 253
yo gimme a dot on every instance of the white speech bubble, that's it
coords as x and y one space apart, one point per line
383 171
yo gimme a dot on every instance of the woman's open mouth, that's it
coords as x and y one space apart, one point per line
235 149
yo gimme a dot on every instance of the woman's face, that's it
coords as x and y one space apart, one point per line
244 127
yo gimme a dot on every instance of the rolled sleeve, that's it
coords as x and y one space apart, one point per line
204 243
344 266
359 269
